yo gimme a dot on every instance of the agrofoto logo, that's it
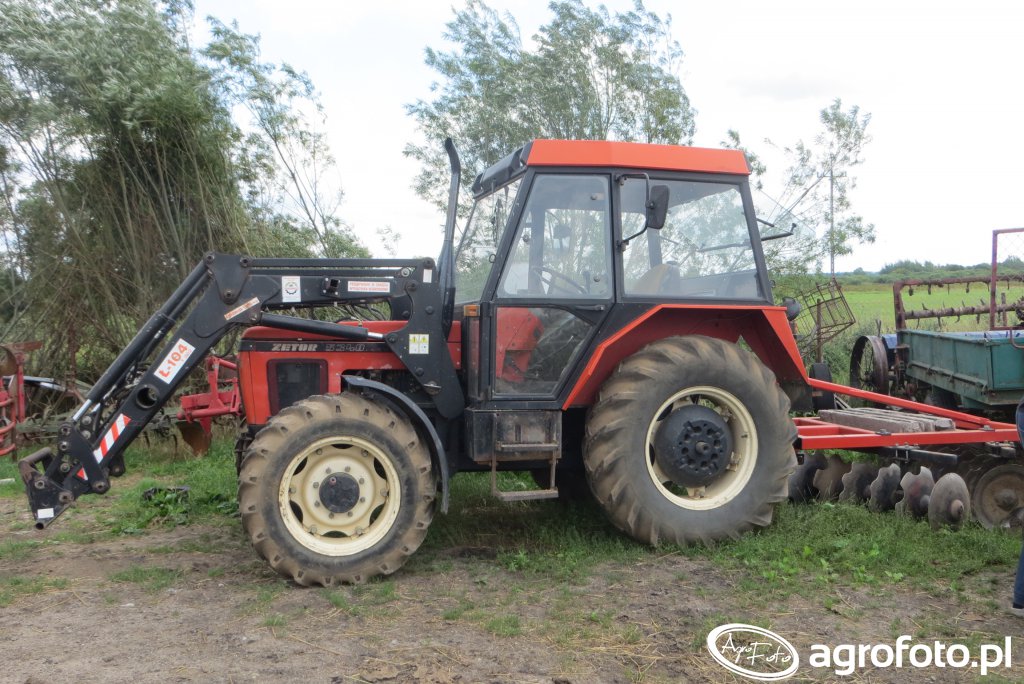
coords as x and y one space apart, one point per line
753 652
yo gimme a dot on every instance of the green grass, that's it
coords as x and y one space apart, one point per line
546 539
150 579
12 588
504 626
819 545
211 483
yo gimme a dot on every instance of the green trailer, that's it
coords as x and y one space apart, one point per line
979 371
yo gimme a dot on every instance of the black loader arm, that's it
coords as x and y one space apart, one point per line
223 292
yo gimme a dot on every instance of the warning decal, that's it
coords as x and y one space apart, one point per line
369 286
419 344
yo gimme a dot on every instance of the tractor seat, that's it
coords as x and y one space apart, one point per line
660 280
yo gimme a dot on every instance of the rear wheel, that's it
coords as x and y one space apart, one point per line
336 489
690 440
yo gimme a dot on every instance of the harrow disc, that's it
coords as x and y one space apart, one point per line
829 480
949 503
883 492
801 481
917 490
857 482
997 493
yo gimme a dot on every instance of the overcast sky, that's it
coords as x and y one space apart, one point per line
942 81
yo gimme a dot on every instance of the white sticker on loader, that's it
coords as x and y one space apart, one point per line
174 360
44 514
419 344
291 289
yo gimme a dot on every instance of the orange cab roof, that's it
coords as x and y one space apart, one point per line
635 155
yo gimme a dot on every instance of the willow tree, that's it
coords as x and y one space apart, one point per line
587 74
121 164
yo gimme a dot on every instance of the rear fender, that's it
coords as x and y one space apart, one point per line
765 329
353 383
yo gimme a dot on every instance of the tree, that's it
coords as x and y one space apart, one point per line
592 75
121 164
290 177
816 194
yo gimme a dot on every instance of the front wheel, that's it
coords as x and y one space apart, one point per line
336 489
690 440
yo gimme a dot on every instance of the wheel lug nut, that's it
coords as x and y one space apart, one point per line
349 514
316 485
361 480
348 468
327 470
316 504
319 452
362 499
330 515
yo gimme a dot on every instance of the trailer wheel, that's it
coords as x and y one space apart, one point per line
690 440
336 489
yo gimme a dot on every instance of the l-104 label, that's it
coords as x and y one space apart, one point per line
174 360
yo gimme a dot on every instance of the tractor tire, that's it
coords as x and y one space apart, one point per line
703 395
335 489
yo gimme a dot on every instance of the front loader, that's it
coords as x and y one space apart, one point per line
605 323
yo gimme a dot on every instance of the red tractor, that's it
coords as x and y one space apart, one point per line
605 318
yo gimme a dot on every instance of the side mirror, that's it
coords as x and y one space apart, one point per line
657 206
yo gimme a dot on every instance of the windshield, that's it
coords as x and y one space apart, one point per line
480 240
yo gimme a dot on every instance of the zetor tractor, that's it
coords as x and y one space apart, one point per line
606 319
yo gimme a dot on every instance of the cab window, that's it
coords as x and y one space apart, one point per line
562 246
704 249
479 243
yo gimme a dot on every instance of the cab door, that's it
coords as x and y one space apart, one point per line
555 287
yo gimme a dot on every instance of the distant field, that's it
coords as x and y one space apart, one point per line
873 302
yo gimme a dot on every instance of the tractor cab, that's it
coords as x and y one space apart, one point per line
560 238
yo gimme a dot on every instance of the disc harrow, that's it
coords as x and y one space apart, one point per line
945 502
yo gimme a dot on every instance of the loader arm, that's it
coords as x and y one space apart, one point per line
224 292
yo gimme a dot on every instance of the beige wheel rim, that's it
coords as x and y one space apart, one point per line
308 514
744 457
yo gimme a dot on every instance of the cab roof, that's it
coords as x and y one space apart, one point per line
604 153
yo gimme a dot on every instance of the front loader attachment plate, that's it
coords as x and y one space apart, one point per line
46 498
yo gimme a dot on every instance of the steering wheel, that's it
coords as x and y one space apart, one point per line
553 276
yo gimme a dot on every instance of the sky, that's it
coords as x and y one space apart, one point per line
942 81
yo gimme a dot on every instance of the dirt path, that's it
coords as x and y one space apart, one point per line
195 604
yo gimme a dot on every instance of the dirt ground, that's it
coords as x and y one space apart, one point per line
195 604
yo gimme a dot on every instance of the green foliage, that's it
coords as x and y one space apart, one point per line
496 94
121 164
825 544
211 494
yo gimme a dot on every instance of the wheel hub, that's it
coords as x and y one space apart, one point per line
693 446
339 493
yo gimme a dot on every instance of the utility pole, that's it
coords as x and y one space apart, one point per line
832 220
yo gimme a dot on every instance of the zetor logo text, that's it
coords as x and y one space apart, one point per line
763 655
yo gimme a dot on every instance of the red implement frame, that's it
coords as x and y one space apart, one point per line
815 433
204 407
12 392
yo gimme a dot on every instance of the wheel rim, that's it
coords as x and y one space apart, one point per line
744 457
340 496
998 492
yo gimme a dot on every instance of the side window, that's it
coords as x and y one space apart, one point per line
562 246
704 249
480 240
